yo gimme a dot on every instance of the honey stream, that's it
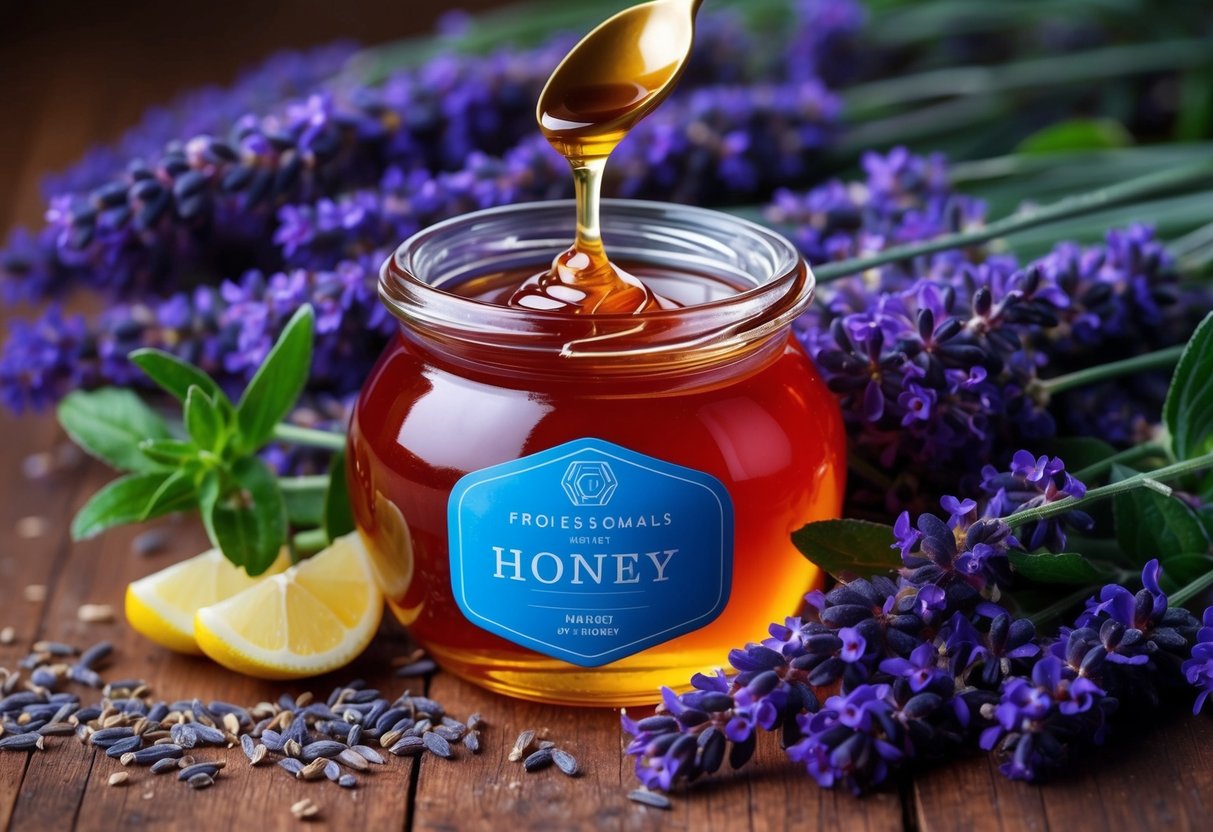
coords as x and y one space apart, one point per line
614 77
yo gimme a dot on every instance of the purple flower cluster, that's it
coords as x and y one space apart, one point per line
293 187
938 361
917 665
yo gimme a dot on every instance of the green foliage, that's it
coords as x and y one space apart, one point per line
1077 134
1064 568
1188 411
210 463
110 424
338 514
846 548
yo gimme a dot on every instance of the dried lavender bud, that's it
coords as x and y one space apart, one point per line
521 745
436 744
538 760
566 762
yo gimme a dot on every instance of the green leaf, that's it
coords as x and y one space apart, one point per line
125 500
1077 134
338 513
177 493
1188 411
1064 568
172 452
248 523
203 421
110 424
305 506
175 375
278 382
1183 568
848 547
1149 524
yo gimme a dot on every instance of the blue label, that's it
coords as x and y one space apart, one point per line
589 552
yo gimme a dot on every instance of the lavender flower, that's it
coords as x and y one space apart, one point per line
1031 482
1198 670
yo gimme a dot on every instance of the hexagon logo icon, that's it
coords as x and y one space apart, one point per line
589 483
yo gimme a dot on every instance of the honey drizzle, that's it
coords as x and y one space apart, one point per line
612 79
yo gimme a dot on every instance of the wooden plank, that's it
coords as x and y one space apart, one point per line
71 781
480 792
33 542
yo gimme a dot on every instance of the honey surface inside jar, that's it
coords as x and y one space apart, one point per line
614 77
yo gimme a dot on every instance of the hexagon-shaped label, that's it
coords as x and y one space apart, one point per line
590 552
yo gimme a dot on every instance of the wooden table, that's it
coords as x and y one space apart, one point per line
75 82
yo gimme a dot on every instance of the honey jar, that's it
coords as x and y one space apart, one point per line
581 508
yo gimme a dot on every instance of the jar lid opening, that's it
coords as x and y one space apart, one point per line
760 282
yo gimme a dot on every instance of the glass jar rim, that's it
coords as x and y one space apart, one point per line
411 281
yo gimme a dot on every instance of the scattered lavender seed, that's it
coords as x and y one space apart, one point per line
305 809
419 668
537 760
521 745
119 778
150 542
122 746
99 651
209 769
107 736
436 744
57 729
351 759
183 735
95 613
657 801
369 754
566 762
471 740
207 734
313 770
321 748
272 740
354 736
8 635
44 678
347 781
22 742
157 753
408 746
475 720
201 781
55 648
291 765
247 745
127 758
291 748
332 771
161 766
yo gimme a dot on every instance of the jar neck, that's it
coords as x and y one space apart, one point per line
741 287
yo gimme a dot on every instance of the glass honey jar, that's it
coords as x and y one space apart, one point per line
580 508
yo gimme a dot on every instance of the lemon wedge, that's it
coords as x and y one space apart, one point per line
162 605
312 618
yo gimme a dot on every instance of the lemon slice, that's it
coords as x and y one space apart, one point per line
162 605
312 618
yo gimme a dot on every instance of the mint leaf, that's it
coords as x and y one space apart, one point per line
125 500
1185 567
1188 411
848 547
1149 524
1064 568
249 523
1077 134
110 424
172 452
177 493
338 513
203 421
174 375
278 382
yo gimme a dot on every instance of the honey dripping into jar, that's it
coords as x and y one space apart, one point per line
612 78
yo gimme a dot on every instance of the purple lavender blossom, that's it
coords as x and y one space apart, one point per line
1198 670
1035 481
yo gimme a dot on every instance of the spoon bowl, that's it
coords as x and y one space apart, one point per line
634 58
